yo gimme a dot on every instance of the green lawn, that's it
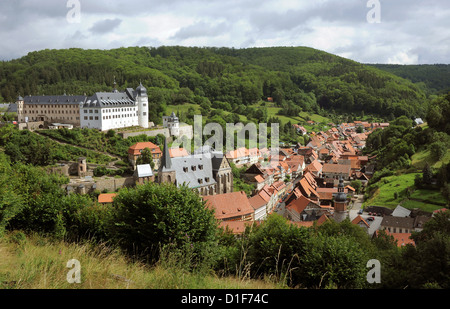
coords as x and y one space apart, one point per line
420 198
272 111
182 108
384 196
420 158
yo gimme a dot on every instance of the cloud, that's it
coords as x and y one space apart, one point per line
410 30
201 29
105 26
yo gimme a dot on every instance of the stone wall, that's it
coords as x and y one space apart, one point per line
165 132
110 184
113 184
183 130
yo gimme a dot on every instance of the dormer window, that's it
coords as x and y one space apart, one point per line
194 168
200 166
207 179
185 169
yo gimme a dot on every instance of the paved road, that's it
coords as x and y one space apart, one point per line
353 213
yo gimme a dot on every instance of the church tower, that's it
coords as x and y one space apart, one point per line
166 172
142 104
340 202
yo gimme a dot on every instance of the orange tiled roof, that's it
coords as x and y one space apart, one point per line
138 147
229 205
106 197
178 152
299 204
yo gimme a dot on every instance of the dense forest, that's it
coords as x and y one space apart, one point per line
435 78
297 78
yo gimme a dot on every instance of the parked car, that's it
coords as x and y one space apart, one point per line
360 212
370 218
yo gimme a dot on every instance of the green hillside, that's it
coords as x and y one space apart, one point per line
299 79
433 77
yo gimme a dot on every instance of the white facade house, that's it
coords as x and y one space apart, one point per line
113 110
102 111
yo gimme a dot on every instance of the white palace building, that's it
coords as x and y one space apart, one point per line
102 111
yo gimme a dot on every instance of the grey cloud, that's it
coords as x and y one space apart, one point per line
201 29
105 26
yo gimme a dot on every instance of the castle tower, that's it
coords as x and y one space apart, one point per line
340 202
20 105
166 172
142 104
174 125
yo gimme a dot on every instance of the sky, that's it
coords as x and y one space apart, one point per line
367 31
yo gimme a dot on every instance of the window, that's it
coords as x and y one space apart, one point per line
185 169
193 167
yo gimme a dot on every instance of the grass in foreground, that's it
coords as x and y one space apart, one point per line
35 262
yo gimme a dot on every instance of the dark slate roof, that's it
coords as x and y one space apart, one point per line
194 170
55 99
403 222
12 108
166 160
141 90
99 99
110 99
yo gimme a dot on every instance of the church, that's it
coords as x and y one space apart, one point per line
206 171
102 111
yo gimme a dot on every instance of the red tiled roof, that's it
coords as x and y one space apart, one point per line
106 197
236 227
138 147
257 201
229 205
299 204
359 219
178 152
259 178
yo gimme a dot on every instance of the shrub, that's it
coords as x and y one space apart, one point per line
153 215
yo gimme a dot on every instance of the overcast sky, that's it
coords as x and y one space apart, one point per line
408 31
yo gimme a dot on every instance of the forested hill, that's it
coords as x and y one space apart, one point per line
434 77
298 78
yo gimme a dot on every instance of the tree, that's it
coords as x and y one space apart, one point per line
146 157
277 247
427 174
438 150
153 215
356 184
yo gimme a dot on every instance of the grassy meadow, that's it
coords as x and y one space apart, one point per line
386 195
35 262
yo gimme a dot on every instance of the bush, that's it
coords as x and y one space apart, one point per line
153 215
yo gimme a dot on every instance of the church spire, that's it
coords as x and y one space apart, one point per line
166 161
